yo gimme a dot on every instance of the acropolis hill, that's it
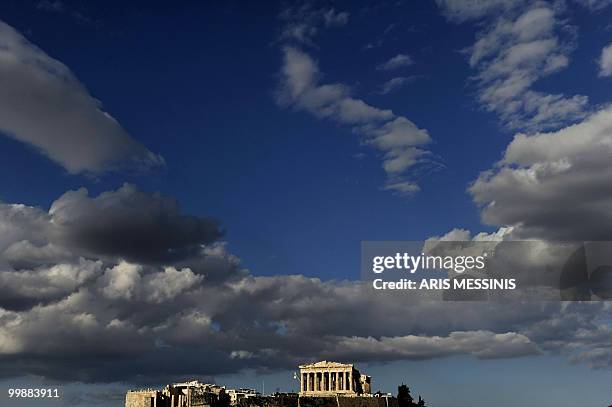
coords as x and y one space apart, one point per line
322 384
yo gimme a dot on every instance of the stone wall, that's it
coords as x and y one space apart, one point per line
348 402
143 399
263 401
304 401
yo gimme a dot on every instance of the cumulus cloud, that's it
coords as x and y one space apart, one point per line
126 223
128 281
70 126
398 61
605 61
520 44
553 185
171 314
113 224
27 287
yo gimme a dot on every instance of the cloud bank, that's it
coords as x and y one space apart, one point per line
196 311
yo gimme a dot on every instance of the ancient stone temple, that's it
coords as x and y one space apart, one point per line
331 378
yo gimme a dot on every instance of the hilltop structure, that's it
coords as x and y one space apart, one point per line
186 394
236 395
145 398
326 378
322 384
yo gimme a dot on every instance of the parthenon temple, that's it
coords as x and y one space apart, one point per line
332 378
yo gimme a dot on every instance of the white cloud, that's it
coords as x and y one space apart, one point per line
332 17
122 281
395 136
302 21
44 105
605 61
402 187
166 285
594 5
520 44
464 10
395 84
553 185
398 61
132 282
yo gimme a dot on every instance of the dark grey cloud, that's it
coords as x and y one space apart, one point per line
553 185
70 127
126 223
130 224
106 318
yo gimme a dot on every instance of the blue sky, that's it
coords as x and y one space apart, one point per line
199 88
200 92
207 98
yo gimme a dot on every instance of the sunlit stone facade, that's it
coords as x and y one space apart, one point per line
332 378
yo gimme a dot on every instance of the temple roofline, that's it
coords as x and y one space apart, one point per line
326 364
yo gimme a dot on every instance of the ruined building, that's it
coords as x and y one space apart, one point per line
318 381
236 395
187 394
145 398
332 378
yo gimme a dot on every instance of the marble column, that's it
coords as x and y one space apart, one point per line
349 381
